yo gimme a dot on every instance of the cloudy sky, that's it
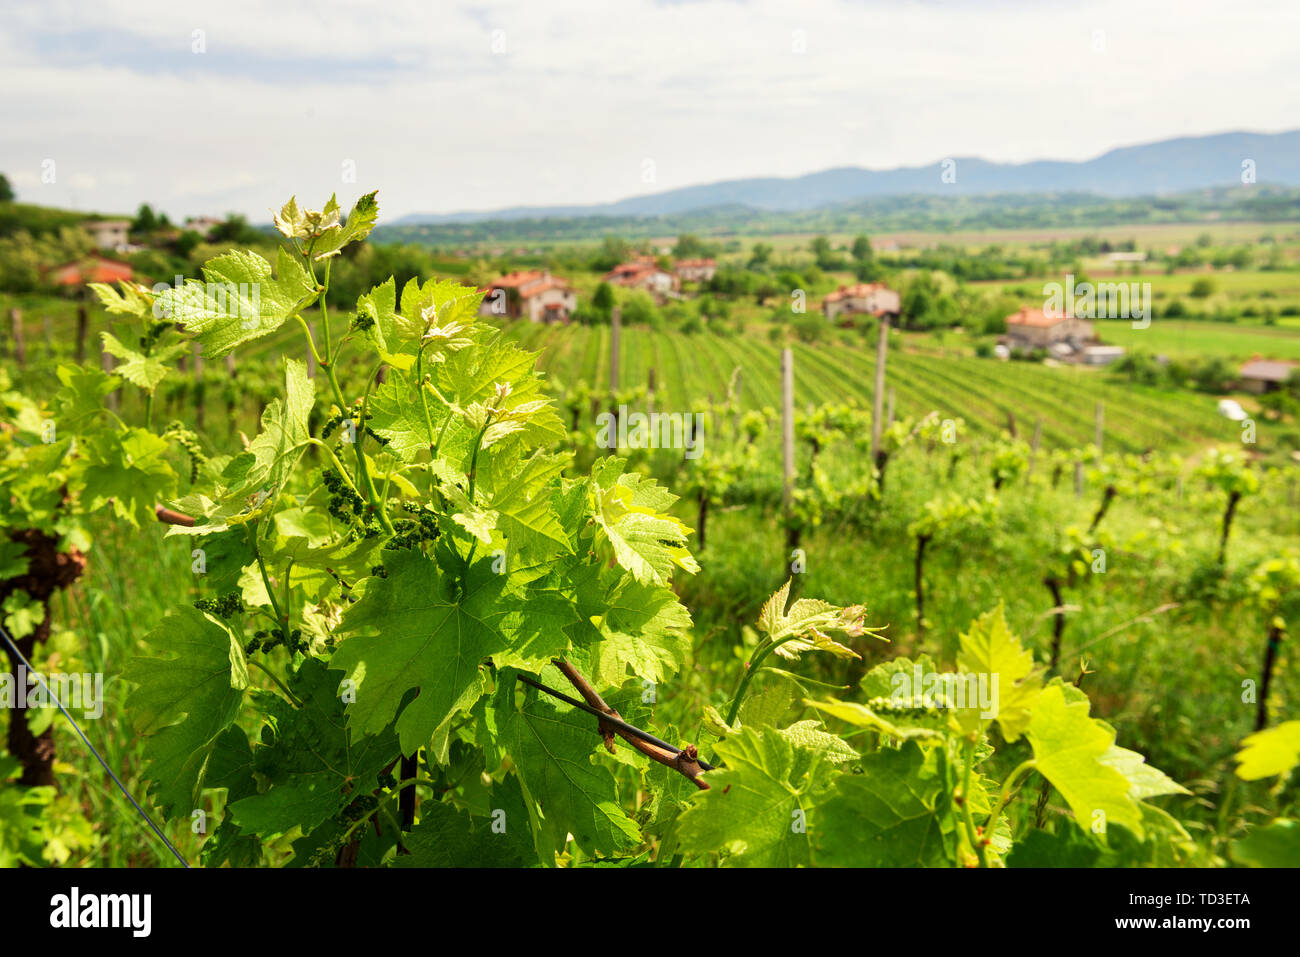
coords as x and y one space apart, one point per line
443 106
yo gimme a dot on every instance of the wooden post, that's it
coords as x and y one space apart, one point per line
650 391
615 331
230 365
81 333
1033 446
615 335
106 363
200 398
1078 479
1101 417
878 399
787 429
16 326
737 379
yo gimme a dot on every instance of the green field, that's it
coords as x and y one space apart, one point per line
691 370
1174 337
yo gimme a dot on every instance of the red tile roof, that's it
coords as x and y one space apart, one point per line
855 292
631 273
1034 317
529 284
96 269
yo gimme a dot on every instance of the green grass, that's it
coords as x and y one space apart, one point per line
1183 339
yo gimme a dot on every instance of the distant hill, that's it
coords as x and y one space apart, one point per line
925 212
1165 167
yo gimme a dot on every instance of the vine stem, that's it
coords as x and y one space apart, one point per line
752 667
266 580
363 472
976 841
293 699
312 440
1007 786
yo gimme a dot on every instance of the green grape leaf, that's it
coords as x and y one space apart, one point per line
882 681
520 492
643 629
144 371
809 736
804 625
1144 780
449 837
437 304
552 751
240 299
362 219
989 648
14 560
1272 751
1276 844
128 469
23 614
630 511
184 701
397 414
82 396
758 810
284 435
1069 748
432 637
897 813
133 299
312 765
307 801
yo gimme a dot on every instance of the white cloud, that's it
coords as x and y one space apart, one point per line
586 91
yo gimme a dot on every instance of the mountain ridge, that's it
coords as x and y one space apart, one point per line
1160 167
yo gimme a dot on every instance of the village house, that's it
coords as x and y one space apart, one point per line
203 225
865 298
1034 329
537 296
91 269
109 233
1265 375
644 272
696 270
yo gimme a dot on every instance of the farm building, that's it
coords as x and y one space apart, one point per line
866 298
92 269
537 296
1102 355
203 225
109 233
644 272
696 270
1034 329
1265 375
